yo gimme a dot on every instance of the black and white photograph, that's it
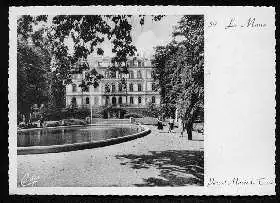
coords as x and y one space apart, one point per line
132 100
111 100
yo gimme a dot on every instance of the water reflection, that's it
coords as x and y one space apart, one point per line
45 137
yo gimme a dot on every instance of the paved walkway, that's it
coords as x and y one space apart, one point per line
158 159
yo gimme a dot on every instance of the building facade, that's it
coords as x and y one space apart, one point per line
138 94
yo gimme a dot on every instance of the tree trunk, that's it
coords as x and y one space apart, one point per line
189 129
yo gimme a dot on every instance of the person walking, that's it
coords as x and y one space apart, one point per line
159 124
171 124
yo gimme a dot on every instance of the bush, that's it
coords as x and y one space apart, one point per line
27 125
133 115
67 122
60 114
52 123
199 127
147 121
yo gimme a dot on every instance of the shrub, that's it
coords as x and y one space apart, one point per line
67 113
133 115
67 122
52 123
147 120
27 125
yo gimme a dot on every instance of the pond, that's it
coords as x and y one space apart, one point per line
70 135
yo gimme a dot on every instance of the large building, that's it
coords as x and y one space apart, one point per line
111 92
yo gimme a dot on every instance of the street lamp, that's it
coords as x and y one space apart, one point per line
90 106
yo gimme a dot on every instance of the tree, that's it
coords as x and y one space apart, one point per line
87 32
31 77
33 65
153 110
162 72
179 71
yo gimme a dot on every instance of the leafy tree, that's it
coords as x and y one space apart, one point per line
33 64
162 76
31 77
87 33
153 110
179 71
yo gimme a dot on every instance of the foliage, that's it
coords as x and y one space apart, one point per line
87 32
134 115
147 121
58 114
179 69
67 122
31 76
153 110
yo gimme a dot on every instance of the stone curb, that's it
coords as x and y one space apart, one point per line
80 146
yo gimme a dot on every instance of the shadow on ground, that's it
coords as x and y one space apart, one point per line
177 167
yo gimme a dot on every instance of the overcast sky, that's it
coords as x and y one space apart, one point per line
149 35
145 37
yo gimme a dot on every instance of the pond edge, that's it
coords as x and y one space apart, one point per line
80 146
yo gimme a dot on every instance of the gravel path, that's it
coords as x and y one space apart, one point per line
158 159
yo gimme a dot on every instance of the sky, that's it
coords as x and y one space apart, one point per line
151 34
144 37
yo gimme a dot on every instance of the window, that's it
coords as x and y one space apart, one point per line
73 101
107 88
113 88
131 87
113 74
139 100
153 99
107 74
131 100
120 100
114 101
120 87
139 63
148 74
96 100
153 74
139 87
107 100
153 86
87 100
131 75
139 74
74 88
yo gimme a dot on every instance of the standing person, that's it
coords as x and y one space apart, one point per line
42 121
170 124
159 124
